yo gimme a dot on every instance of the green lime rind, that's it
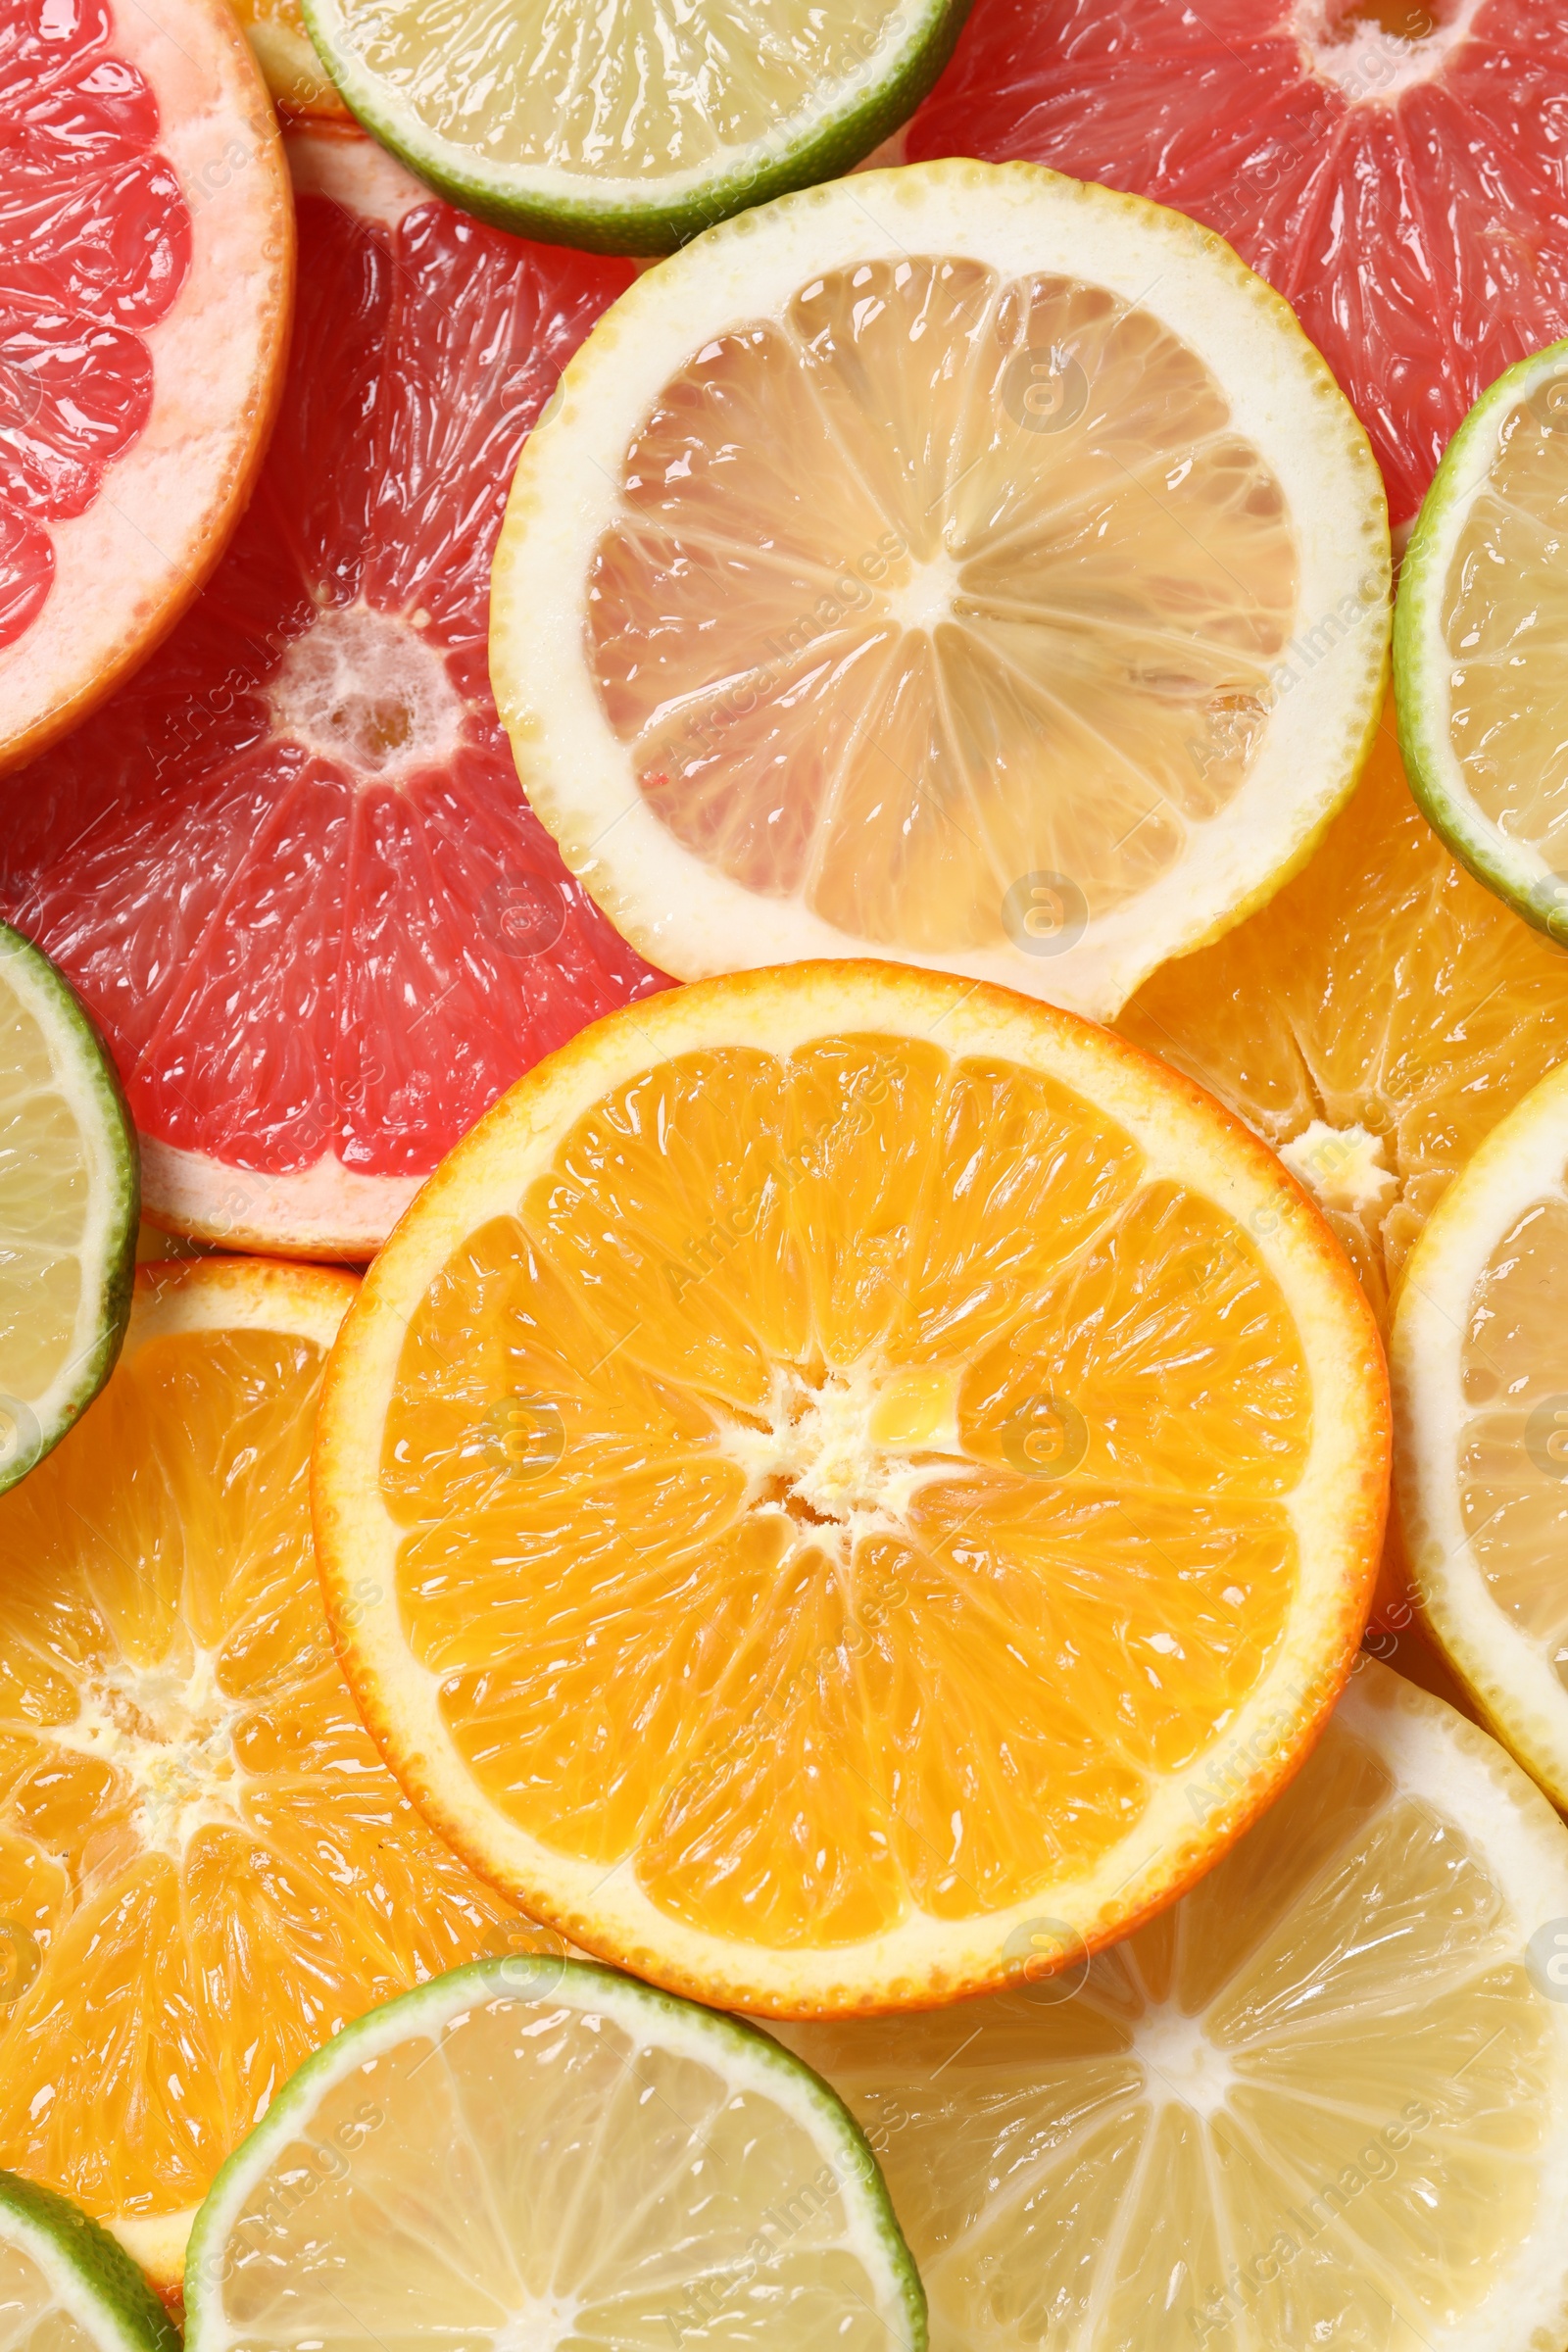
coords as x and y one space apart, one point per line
1514 871
86 1079
584 1984
631 219
89 2271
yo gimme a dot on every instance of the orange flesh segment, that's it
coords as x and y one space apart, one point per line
996 593
834 1524
213 1868
1383 993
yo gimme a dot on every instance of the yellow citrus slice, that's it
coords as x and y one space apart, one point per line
1480 1354
300 85
1373 1024
205 1870
955 563
839 1459
1322 2101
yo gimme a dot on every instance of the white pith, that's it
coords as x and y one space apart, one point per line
1017 220
130 563
1523 1161
365 689
357 1536
1372 65
1344 1167
753 2069
600 193
1424 661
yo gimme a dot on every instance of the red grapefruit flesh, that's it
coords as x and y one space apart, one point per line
1394 167
146 263
290 867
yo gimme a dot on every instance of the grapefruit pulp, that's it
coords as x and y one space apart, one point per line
1385 164
146 259
291 868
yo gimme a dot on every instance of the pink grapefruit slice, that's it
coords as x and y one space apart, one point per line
146 263
1385 164
290 867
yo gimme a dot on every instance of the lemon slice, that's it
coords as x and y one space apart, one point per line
627 129
1480 643
838 1461
1480 1354
957 565
541 2155
66 2285
68 1202
1323 2100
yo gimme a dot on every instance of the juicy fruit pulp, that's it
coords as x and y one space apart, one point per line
856 699
584 2163
289 866
797 1387
1320 2100
69 1198
205 1868
1373 1023
1382 165
76 295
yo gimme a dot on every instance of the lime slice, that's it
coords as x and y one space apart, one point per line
69 1197
534 2154
66 2285
1479 1354
1481 641
957 565
1321 2101
629 130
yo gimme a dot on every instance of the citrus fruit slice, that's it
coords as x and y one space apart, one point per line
302 89
518 2155
1481 1359
146 259
628 131
1373 1024
69 1194
204 1868
842 1455
67 2284
1381 162
289 867
940 607
1481 643
1323 2100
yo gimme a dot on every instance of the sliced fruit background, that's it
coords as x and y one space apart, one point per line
1387 165
205 1870
146 265
290 867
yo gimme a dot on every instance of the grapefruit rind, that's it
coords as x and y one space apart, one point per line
757 2069
1510 1680
128 568
696 922
93 2281
1423 661
84 1082
603 213
1339 1507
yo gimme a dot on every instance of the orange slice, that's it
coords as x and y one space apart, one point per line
837 1463
204 1869
1373 1023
